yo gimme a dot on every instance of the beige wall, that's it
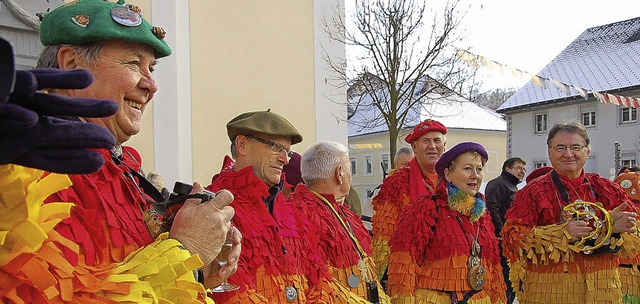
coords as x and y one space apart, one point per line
493 141
248 57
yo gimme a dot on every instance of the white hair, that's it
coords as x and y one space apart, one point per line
320 160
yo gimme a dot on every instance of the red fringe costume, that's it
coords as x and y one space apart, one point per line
87 243
545 267
330 241
264 269
429 252
395 194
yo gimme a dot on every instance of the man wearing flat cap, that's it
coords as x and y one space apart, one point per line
427 140
108 247
273 268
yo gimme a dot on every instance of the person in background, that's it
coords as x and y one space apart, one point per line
403 156
629 180
499 195
273 266
353 200
445 249
336 233
291 173
541 238
400 189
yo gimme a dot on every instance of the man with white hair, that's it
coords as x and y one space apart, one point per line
337 234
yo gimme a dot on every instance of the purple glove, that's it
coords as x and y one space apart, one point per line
25 93
29 138
50 143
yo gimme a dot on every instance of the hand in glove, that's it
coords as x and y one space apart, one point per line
29 138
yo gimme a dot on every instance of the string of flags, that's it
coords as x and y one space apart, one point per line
478 60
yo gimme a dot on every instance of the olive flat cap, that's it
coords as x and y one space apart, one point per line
263 122
85 21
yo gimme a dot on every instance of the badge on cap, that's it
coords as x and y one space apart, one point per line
125 16
158 32
81 20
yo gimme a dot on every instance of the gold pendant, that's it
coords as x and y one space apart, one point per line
477 277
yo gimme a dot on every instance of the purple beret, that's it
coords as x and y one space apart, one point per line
291 170
538 172
448 157
424 127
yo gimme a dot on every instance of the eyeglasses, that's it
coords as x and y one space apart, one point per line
275 147
520 168
563 148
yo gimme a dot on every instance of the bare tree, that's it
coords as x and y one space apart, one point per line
405 62
493 99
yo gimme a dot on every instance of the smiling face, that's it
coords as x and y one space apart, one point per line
466 172
568 163
123 73
428 148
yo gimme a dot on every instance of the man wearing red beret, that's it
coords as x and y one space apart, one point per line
427 140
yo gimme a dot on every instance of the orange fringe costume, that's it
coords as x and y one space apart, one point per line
429 253
332 243
395 194
272 258
629 267
35 267
545 267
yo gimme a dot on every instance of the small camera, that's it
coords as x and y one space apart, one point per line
182 190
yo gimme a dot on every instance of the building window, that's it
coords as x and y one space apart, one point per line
541 123
628 160
589 116
353 166
628 115
539 164
385 162
368 165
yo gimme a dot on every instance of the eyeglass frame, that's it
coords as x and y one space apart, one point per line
573 148
272 145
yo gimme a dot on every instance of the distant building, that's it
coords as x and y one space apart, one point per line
466 121
605 59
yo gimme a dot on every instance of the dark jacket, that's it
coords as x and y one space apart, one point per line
499 195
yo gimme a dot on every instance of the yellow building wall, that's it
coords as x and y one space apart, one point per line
245 56
248 56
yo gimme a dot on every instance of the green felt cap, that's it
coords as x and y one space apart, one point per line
262 122
85 21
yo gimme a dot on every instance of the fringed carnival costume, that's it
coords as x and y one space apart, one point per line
338 236
396 193
50 254
272 268
445 251
545 267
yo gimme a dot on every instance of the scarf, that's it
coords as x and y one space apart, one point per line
465 204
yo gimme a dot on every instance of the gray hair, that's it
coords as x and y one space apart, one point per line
320 160
573 126
89 52
403 150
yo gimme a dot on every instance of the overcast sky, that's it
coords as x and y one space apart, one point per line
529 34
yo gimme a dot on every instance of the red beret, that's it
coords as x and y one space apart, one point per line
630 182
538 172
447 158
424 127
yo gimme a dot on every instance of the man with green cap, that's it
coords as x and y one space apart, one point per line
273 268
105 250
